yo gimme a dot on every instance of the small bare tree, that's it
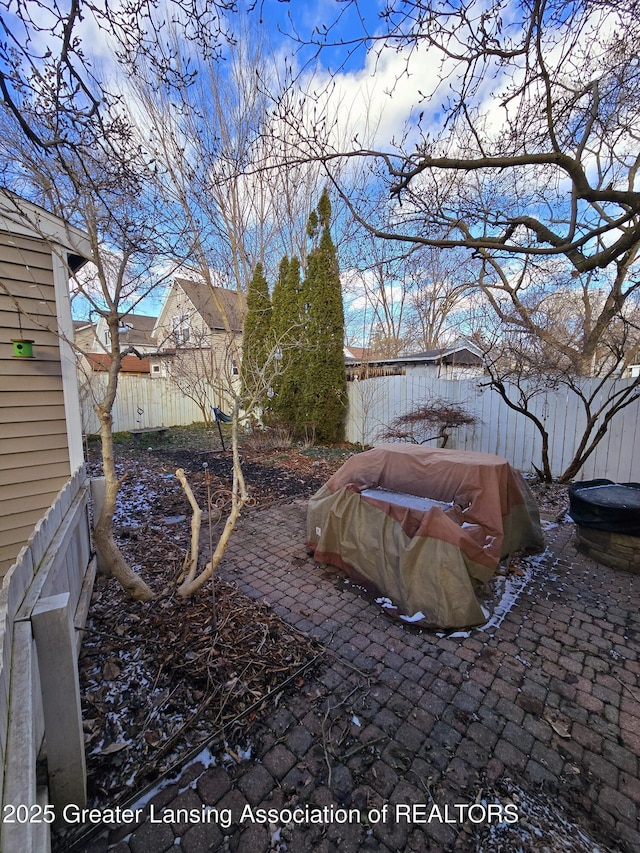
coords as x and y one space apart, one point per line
111 200
433 420
72 148
523 367
205 150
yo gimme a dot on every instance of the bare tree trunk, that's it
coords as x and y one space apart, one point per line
239 497
110 554
190 565
544 474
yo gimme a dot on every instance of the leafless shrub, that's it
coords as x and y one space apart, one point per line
276 436
431 420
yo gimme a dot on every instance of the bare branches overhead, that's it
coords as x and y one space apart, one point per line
523 140
48 79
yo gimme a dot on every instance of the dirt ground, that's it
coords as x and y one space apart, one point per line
157 678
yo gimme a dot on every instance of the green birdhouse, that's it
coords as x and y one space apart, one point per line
22 349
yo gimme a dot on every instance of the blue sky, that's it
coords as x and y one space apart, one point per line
297 16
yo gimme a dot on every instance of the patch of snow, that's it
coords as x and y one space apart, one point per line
415 618
514 585
405 500
276 837
244 753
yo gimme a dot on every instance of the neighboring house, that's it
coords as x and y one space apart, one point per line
358 354
199 327
136 341
84 335
46 563
133 365
462 360
136 332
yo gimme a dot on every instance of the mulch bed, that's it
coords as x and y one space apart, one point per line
160 679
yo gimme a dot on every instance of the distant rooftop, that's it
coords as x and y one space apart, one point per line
232 303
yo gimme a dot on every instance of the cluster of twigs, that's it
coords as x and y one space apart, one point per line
155 686
433 415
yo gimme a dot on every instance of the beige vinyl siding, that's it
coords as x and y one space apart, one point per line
28 487
178 304
34 456
43 427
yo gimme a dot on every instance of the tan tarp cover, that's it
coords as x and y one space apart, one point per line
428 561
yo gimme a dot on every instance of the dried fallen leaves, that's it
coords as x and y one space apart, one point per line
157 680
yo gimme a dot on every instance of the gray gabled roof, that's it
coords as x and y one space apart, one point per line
213 303
140 328
461 353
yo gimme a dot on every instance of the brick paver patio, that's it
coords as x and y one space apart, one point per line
540 711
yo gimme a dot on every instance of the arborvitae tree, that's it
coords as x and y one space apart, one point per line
257 339
323 393
287 338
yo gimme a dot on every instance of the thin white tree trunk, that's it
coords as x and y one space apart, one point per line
239 498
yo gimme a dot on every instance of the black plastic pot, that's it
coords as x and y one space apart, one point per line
605 505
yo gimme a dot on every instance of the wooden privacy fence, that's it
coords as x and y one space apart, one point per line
141 402
45 596
373 403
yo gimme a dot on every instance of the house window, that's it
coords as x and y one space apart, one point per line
156 368
181 331
234 367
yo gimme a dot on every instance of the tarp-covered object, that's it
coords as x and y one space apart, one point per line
371 519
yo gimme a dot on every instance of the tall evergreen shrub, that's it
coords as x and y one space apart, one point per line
257 339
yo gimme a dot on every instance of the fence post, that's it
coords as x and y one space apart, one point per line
58 667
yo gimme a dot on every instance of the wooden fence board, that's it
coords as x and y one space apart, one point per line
374 402
56 647
142 402
20 757
56 557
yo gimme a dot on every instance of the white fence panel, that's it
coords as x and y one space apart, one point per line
56 559
373 403
141 402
